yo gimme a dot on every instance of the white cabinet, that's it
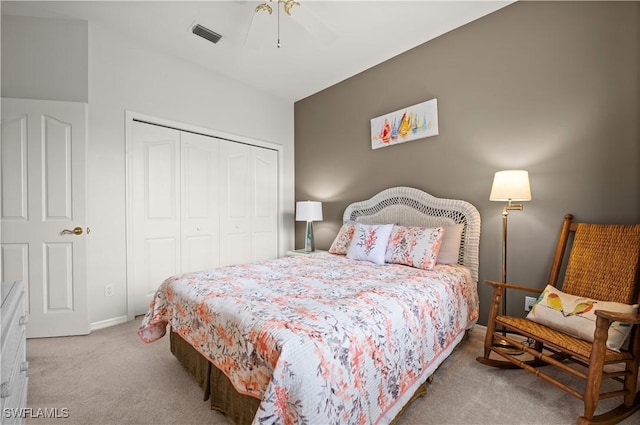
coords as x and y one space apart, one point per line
197 202
13 361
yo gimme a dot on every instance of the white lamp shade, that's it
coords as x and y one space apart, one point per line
308 211
511 185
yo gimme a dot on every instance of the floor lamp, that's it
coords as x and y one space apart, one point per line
509 186
309 211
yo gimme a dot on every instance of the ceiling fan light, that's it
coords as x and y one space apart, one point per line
286 5
264 7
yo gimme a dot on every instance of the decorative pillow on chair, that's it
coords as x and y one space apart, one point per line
369 242
450 247
342 241
576 315
414 246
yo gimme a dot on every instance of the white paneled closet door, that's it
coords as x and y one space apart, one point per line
197 202
175 207
235 203
155 189
264 205
248 203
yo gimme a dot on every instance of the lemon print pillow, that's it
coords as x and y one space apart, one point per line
576 315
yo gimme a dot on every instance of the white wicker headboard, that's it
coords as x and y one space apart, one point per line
407 206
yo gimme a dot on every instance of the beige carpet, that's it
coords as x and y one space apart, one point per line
111 377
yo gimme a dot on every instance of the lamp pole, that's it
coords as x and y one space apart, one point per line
508 185
505 215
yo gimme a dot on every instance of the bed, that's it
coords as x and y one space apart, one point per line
326 338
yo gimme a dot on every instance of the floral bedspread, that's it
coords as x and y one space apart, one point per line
319 338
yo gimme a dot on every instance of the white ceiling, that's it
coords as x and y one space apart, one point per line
322 42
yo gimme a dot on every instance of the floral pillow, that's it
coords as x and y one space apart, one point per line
576 315
414 246
342 241
369 242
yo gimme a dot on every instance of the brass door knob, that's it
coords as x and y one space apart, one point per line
76 231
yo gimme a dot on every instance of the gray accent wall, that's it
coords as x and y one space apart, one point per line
549 87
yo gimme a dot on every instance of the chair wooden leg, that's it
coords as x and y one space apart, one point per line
631 384
631 403
631 381
596 366
489 337
491 325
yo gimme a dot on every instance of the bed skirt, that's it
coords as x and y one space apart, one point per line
239 408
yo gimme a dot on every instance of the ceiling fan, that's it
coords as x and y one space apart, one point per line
266 21
287 5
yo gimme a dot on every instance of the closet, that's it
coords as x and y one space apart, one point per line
197 202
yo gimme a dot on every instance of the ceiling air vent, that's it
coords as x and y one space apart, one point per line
203 32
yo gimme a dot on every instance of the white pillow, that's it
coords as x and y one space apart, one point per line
369 242
576 315
414 246
450 247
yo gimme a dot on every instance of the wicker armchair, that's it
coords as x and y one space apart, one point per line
603 265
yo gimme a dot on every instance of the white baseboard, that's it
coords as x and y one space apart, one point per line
109 322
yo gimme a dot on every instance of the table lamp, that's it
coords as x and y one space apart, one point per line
309 211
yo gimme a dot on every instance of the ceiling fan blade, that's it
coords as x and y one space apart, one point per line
309 21
260 30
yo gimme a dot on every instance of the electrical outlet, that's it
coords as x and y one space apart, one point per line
108 290
528 303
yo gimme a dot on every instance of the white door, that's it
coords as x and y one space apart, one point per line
155 234
174 207
43 201
196 202
264 215
248 203
235 203
199 202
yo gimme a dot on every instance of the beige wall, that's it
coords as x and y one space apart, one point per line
550 87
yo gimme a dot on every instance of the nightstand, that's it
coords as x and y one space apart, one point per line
301 252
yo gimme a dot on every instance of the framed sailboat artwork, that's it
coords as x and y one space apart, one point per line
411 123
